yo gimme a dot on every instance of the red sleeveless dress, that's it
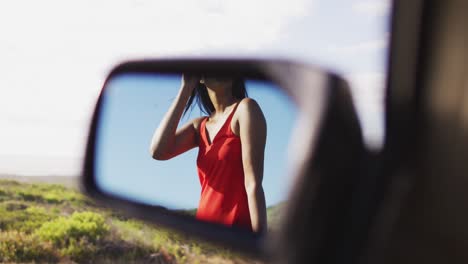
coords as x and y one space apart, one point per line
221 173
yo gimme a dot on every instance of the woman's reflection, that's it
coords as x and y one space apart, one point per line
231 142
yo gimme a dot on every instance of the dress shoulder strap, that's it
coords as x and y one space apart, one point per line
229 120
234 110
202 131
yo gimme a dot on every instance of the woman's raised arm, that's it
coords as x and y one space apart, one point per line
168 141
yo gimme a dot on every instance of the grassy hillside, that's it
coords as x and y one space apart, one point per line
67 181
274 214
51 223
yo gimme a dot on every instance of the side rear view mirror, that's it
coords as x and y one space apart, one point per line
177 142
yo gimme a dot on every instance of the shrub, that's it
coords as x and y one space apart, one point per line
22 220
52 197
80 249
81 225
15 206
77 236
48 193
20 247
3 195
29 196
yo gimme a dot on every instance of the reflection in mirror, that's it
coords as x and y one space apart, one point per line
210 147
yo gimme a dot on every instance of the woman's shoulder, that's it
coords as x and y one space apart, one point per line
196 122
248 108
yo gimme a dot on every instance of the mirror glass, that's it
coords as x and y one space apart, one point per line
211 186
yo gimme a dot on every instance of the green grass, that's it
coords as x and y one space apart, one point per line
51 223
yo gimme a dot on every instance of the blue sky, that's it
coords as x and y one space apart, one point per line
133 108
56 54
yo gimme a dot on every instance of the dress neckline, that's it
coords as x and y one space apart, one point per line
205 131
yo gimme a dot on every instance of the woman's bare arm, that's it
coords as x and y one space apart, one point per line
252 130
168 141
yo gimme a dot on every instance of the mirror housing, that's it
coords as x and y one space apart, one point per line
313 106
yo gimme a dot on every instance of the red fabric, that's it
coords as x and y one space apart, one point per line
221 173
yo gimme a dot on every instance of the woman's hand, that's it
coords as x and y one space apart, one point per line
189 82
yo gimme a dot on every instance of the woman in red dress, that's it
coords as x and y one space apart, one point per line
231 142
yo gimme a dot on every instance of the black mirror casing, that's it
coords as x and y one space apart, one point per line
317 171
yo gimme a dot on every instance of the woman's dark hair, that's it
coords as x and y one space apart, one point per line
201 98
